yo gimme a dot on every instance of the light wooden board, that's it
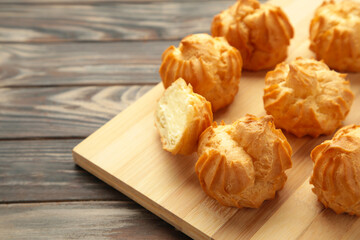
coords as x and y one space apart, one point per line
126 153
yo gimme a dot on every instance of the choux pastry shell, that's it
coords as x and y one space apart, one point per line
244 163
306 98
261 32
336 173
210 65
335 35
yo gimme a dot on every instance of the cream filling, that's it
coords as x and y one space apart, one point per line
172 113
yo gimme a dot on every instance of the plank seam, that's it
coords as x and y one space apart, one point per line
82 85
42 138
68 201
94 2
62 41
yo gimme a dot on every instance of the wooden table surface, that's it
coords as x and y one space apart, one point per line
66 68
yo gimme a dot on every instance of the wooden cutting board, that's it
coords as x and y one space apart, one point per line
126 153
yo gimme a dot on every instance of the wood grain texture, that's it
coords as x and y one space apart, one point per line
41 97
106 22
43 170
83 220
74 64
118 149
62 111
128 156
97 1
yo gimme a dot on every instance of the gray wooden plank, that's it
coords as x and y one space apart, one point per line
95 1
62 111
43 170
74 111
81 63
83 220
106 22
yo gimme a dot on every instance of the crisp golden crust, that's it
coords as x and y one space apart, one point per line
261 32
210 65
335 35
306 97
336 173
244 163
180 117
